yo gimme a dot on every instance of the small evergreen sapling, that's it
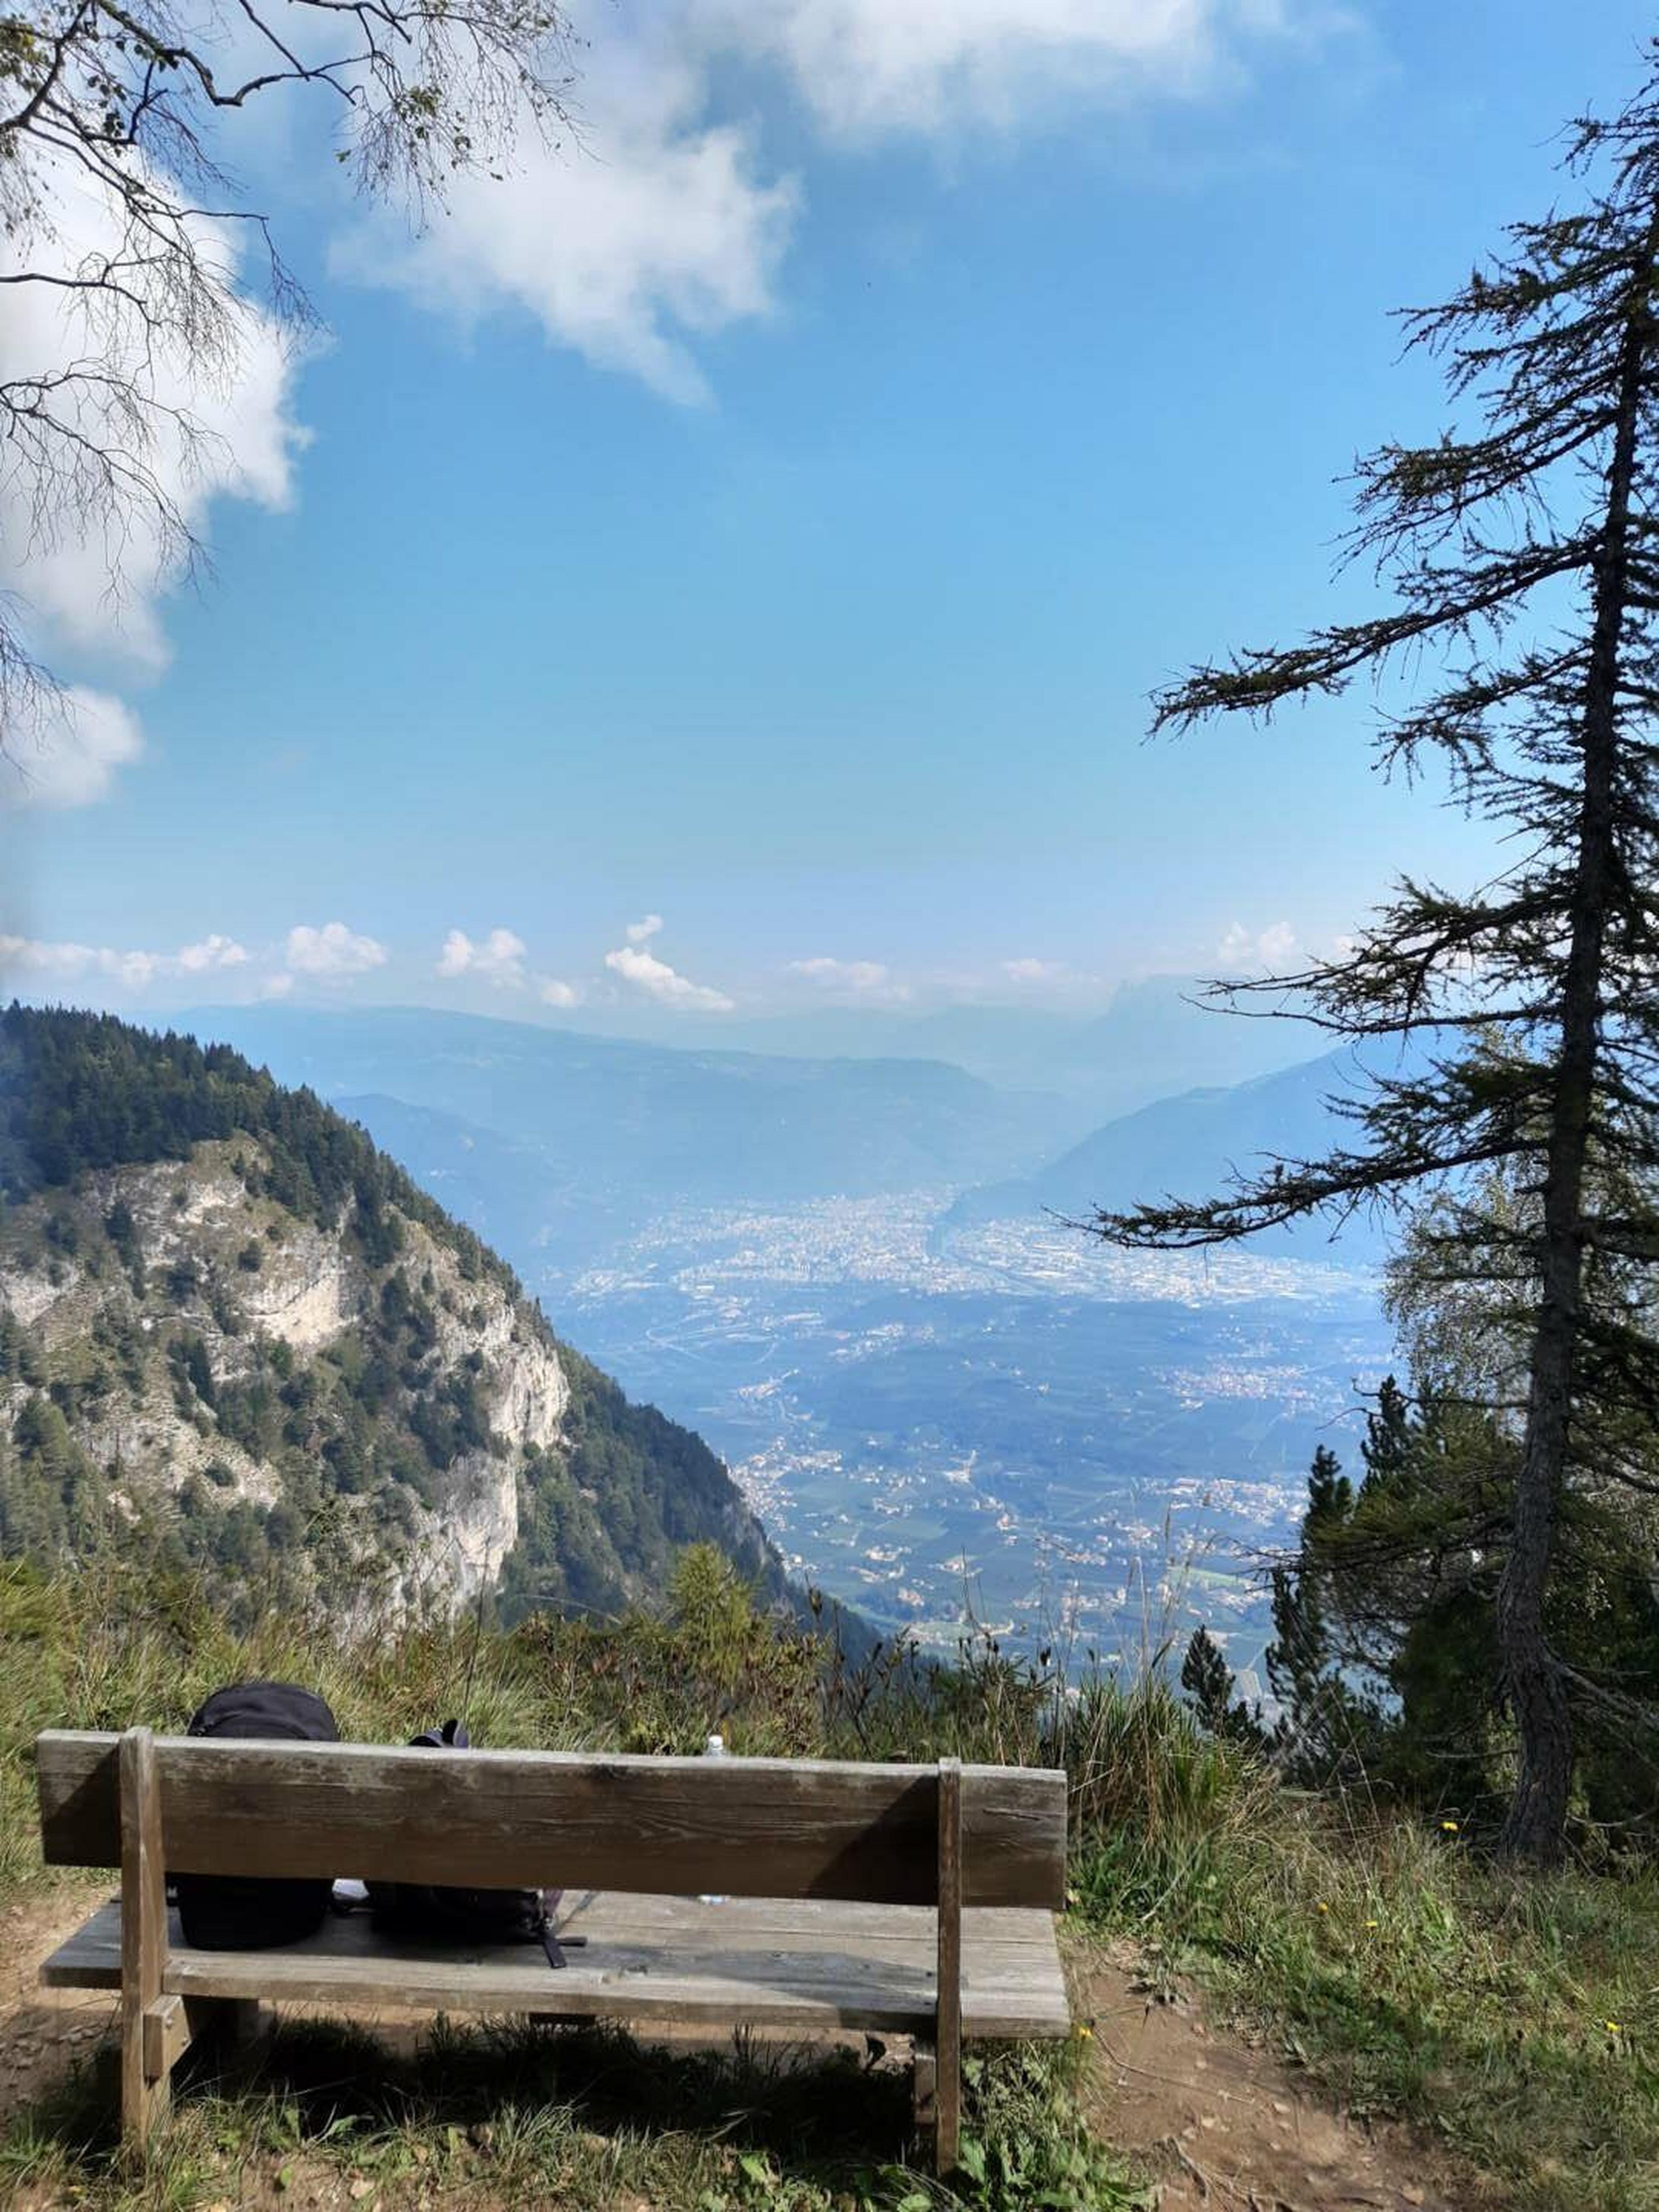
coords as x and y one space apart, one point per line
1208 1681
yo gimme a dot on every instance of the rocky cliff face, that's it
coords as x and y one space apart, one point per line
364 1409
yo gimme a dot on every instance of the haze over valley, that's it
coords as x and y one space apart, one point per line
943 1402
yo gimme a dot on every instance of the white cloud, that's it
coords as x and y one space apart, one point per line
871 981
69 757
657 230
89 583
1032 971
499 958
1261 948
1277 943
30 956
664 984
215 951
331 951
639 933
1236 946
662 224
869 66
277 985
66 961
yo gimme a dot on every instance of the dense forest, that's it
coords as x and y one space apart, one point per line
81 1091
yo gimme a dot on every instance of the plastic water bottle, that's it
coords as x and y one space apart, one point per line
713 1748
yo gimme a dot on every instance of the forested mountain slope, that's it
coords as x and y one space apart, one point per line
234 1333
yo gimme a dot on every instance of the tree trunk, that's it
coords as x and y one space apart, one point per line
1536 1826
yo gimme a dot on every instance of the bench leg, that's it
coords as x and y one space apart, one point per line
156 2030
144 2096
947 1994
153 2028
947 2116
924 2088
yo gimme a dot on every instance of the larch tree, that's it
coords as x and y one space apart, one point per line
120 214
1519 556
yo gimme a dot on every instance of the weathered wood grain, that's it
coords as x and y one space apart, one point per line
620 1915
741 1923
947 2032
166 2036
744 1827
145 2088
647 1957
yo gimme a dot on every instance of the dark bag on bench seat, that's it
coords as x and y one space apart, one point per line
247 1913
444 1913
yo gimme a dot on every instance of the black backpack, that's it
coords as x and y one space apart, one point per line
247 1913
432 1912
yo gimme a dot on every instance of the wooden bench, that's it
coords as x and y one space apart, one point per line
908 1901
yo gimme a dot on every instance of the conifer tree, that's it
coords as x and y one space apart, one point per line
1521 554
1208 1680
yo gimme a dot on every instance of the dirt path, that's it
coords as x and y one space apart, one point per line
1224 2124
43 2031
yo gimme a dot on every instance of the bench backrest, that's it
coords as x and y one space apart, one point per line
750 1827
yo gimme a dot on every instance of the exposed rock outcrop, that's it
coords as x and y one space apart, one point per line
340 1395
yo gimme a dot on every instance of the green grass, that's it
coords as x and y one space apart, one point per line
1514 2016
510 2114
1405 1971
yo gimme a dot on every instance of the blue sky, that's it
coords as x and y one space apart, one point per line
723 570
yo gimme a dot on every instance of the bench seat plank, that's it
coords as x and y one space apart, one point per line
813 1965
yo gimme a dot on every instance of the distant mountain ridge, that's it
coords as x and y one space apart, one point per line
650 1125
1155 1038
234 1332
1188 1147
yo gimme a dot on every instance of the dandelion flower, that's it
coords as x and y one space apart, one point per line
1612 2026
1371 1923
1450 1826
1324 1908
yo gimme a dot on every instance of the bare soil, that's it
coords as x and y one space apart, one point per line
1225 2123
44 2031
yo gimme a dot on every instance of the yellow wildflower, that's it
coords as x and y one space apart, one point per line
1371 1923
1324 1908
1450 1826
1612 2026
